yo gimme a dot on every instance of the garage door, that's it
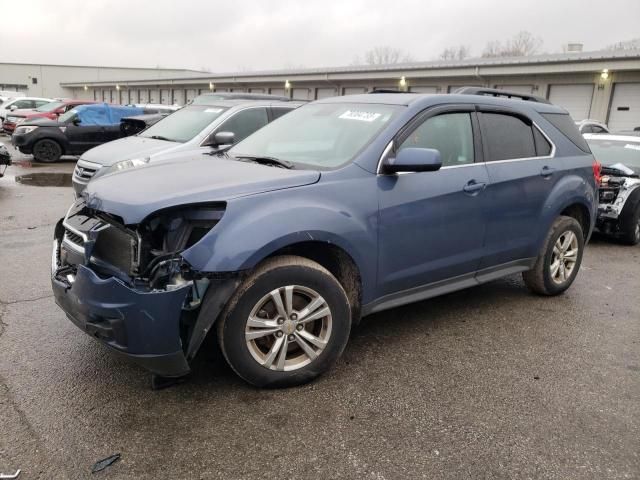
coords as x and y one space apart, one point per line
178 96
302 94
423 89
278 91
353 90
326 93
575 98
191 94
625 107
154 96
144 95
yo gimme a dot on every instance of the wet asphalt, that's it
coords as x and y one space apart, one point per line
491 382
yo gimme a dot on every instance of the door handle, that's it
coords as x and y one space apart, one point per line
473 187
546 171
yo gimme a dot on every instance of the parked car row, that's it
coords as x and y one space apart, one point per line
318 215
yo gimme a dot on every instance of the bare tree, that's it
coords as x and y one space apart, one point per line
385 56
520 45
632 44
456 53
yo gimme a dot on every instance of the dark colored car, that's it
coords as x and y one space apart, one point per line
50 110
344 207
73 133
5 159
619 208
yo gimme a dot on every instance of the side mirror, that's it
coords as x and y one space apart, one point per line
13 107
414 160
76 121
221 139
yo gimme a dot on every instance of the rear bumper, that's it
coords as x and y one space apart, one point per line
144 326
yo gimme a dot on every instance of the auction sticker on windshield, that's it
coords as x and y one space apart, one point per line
360 115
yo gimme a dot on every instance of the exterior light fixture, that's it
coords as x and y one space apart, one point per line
118 87
403 83
605 74
211 86
287 85
86 88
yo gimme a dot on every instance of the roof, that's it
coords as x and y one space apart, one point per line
545 59
98 66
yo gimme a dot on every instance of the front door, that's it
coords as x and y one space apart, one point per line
432 224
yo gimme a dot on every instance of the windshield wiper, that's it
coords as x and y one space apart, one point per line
262 160
160 137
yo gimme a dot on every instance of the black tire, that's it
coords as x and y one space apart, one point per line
47 151
280 272
630 226
541 279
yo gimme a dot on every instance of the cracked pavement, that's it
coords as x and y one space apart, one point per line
491 382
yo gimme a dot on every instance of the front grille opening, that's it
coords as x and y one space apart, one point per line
116 247
73 237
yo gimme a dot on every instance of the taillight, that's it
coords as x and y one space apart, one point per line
597 172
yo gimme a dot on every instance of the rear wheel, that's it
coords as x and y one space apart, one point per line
559 260
288 323
630 227
47 150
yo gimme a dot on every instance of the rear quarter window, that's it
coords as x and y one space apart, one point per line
567 127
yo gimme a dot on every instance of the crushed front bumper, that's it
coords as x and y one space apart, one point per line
144 326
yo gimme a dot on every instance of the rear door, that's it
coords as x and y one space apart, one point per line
432 224
522 173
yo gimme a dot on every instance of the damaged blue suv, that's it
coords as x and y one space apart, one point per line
344 207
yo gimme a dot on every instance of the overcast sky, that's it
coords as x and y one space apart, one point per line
266 34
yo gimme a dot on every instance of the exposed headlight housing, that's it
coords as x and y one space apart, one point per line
24 130
127 164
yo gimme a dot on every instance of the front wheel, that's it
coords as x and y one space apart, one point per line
288 323
559 260
47 150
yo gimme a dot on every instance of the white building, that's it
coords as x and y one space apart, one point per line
599 85
40 80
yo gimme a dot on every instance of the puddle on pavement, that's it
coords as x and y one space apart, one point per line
45 179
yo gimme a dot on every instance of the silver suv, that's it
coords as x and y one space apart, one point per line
192 128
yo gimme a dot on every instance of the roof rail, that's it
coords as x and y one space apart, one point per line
495 92
386 90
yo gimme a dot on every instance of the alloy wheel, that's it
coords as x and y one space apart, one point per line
288 328
564 257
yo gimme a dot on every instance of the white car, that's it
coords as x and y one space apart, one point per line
21 103
155 107
591 126
619 192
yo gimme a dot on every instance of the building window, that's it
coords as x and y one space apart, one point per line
34 80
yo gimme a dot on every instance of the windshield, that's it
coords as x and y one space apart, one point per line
48 107
321 135
184 124
68 116
609 152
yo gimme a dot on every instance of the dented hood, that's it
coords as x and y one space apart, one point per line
126 149
136 193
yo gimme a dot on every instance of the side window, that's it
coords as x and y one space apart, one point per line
244 123
506 137
69 107
23 104
543 147
39 103
450 133
278 112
